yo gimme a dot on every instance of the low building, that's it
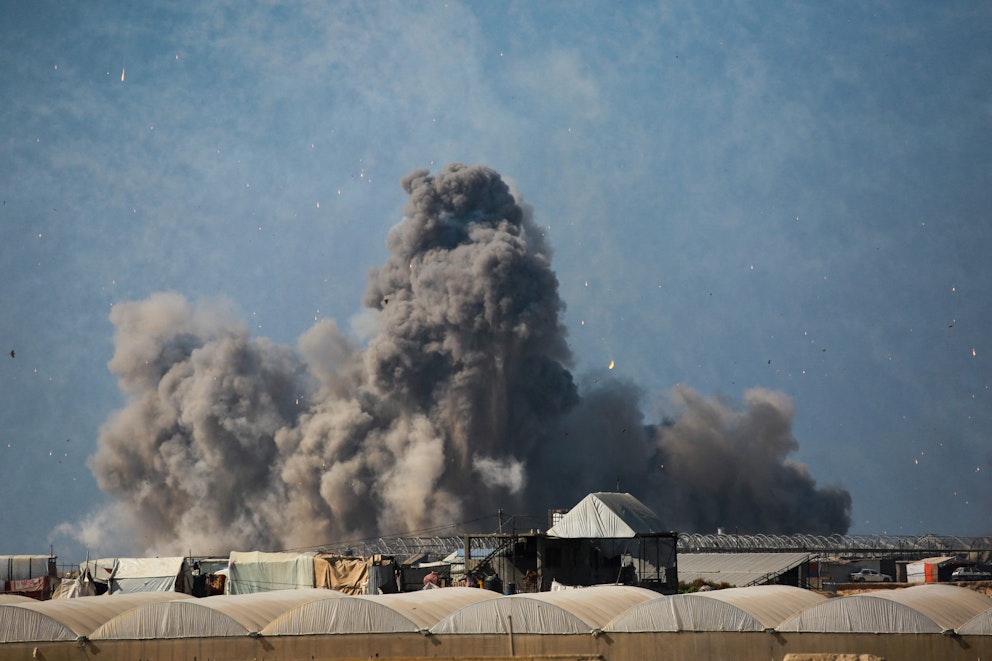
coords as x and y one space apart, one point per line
607 538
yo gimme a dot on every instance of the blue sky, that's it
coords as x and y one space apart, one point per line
792 197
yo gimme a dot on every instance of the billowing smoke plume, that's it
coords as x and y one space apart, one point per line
463 402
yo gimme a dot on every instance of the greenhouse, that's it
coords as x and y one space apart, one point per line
390 613
612 623
919 609
558 612
734 609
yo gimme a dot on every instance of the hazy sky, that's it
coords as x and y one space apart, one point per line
793 197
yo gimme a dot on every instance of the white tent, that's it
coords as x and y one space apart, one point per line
253 571
23 567
150 575
607 516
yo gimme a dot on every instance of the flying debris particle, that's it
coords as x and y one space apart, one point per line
973 352
122 75
611 364
11 353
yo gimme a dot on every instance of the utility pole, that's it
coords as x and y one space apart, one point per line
500 514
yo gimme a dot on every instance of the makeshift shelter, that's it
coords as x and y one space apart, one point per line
355 575
73 588
151 575
931 570
607 538
607 516
27 575
100 570
255 571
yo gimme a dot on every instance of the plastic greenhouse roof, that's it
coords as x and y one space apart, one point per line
861 613
409 612
565 611
734 609
950 606
67 619
980 625
221 615
919 609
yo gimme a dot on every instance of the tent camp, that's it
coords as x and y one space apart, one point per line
151 575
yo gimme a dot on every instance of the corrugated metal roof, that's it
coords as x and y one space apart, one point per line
737 569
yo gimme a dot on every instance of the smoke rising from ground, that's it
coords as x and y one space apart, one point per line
462 402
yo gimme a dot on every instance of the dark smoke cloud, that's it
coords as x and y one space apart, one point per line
462 402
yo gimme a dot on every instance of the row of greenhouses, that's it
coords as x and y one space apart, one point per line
596 615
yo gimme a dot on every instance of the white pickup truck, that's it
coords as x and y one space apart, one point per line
869 576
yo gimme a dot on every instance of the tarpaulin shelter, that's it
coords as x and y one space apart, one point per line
254 571
27 575
605 515
170 574
606 538
355 574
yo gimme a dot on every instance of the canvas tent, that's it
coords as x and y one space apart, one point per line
254 571
607 516
355 574
28 575
151 575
